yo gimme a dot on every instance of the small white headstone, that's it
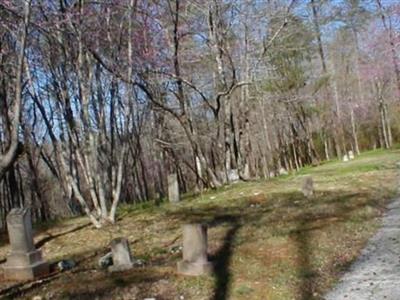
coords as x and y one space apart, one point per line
198 166
351 155
345 158
282 171
246 171
233 175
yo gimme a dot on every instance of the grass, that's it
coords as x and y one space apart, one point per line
266 239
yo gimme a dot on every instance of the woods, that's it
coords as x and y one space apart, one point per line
100 101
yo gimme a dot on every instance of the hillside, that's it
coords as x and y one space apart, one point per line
266 239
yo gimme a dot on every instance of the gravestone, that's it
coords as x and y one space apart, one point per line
121 255
283 171
351 155
233 175
198 166
308 187
173 188
246 171
24 262
195 261
345 158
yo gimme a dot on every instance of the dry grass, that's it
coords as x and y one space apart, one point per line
267 241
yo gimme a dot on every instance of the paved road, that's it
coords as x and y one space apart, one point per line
376 273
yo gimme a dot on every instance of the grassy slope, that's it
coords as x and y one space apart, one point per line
266 239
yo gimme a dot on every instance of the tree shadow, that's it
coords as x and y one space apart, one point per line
288 214
86 281
44 240
306 273
137 283
221 261
50 236
307 223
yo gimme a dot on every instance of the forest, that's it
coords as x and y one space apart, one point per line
101 100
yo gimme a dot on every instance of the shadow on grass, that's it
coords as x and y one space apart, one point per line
46 239
43 241
137 284
88 282
305 269
50 237
289 215
221 261
310 222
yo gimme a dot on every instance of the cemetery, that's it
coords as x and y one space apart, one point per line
200 149
217 245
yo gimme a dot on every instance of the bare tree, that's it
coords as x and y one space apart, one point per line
8 157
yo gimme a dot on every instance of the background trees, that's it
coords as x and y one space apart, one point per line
114 95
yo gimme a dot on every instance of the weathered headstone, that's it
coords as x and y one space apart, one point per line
345 158
246 171
198 166
24 262
308 187
121 255
173 188
195 261
233 175
283 171
351 155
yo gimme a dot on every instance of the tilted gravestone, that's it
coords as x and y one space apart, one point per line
345 158
351 155
173 188
121 255
195 261
308 187
24 262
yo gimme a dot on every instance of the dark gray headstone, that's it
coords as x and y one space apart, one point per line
308 187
